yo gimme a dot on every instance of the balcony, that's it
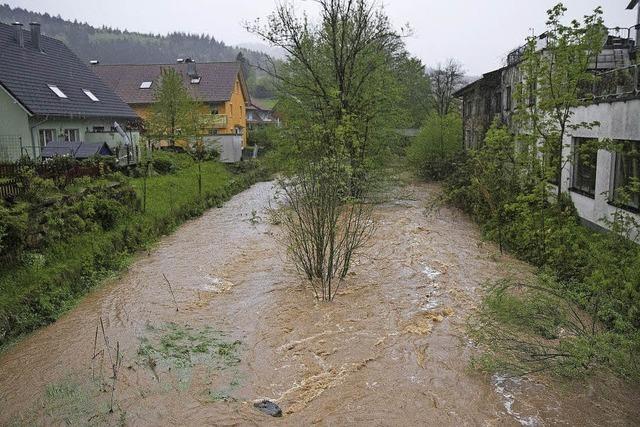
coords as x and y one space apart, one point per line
615 84
219 121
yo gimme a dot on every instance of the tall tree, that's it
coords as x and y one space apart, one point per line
415 89
171 113
338 78
552 81
445 80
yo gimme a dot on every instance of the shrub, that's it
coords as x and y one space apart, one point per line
324 225
163 166
437 145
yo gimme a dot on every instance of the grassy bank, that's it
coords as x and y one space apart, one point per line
36 289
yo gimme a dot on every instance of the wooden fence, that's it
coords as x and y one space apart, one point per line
9 188
9 173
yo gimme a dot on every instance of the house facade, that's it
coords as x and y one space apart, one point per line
47 95
220 86
614 101
259 115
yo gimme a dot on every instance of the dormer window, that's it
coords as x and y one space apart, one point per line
90 95
145 85
57 91
195 80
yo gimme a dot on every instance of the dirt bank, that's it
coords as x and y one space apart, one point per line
391 350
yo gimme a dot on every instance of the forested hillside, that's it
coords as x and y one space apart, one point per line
112 46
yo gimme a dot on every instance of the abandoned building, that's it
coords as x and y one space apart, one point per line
614 103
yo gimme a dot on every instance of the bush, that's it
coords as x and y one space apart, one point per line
163 166
436 147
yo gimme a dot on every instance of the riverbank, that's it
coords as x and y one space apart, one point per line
36 292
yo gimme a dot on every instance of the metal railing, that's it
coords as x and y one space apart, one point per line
12 148
618 83
219 121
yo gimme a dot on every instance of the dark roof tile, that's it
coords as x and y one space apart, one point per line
26 73
217 80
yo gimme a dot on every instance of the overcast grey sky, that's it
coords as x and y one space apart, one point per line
479 33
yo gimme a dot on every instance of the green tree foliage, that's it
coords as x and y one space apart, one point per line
415 90
439 142
553 83
340 92
174 112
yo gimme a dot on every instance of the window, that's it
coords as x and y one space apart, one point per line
145 85
585 157
90 95
231 109
508 106
57 91
46 136
626 178
71 135
498 102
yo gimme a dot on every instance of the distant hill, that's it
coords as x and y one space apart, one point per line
114 46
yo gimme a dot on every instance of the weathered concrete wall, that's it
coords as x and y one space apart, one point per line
618 121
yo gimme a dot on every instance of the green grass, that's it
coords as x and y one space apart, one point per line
37 293
71 402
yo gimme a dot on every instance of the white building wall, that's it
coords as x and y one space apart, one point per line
618 121
14 127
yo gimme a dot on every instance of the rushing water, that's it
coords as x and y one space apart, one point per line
391 349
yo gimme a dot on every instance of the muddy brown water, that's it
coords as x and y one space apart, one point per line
391 349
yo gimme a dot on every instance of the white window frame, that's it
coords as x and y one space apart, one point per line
55 89
71 131
90 95
42 136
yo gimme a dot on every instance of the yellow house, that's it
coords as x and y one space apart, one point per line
220 86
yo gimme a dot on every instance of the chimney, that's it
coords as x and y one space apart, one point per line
35 36
191 68
19 34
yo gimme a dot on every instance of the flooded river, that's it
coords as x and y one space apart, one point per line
233 323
